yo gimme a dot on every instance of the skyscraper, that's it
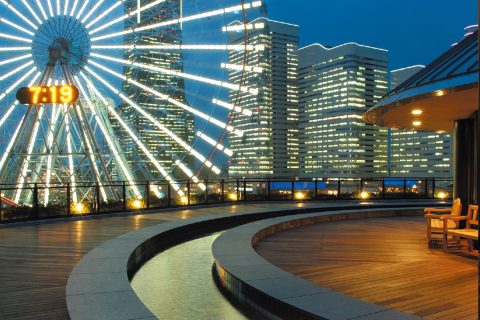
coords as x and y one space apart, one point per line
336 86
270 144
418 153
173 117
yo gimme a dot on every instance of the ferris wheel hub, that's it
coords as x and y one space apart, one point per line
62 36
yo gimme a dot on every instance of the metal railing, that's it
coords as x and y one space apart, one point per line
40 202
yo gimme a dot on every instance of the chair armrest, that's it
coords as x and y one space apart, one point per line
428 210
457 218
434 216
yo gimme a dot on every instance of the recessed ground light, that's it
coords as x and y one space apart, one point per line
417 112
440 93
417 123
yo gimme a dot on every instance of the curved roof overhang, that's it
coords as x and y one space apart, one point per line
435 97
433 107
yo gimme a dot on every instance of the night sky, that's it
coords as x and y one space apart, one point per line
414 31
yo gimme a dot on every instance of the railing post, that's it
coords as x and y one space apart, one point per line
206 191
404 188
316 189
293 190
244 190
147 196
223 190
383 188
269 192
361 185
238 189
426 188
433 188
188 192
69 205
35 200
97 196
1 205
124 196
169 195
339 188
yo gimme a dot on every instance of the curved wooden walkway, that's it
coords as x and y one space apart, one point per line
383 261
36 260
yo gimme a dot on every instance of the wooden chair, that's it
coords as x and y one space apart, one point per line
436 225
469 233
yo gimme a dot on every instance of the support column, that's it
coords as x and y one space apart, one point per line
463 175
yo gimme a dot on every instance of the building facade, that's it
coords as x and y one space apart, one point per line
336 86
173 117
418 154
270 144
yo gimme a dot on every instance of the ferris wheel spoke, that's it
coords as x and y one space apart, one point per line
26 161
182 20
18 13
71 163
194 77
200 47
135 138
159 125
59 9
42 9
89 151
50 7
238 67
32 12
74 7
15 70
15 104
16 26
92 10
232 107
15 49
214 143
16 59
65 7
50 141
113 146
165 97
125 16
16 38
17 83
82 9
103 14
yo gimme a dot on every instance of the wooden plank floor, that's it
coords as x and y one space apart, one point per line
384 261
36 260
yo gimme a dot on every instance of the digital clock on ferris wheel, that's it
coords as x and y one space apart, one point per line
64 94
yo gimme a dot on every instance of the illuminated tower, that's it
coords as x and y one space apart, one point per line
270 144
336 86
173 117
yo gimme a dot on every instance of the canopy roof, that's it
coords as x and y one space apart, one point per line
432 99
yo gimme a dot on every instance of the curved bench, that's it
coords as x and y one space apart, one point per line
249 279
99 285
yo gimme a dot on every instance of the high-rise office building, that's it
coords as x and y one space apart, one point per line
269 146
417 153
173 117
336 86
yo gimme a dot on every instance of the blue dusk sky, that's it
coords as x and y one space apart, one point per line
414 31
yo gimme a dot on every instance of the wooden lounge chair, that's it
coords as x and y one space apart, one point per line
469 233
436 225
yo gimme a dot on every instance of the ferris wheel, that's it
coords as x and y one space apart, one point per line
118 90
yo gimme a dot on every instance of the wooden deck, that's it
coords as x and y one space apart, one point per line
36 260
384 261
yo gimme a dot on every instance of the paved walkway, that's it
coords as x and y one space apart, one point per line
36 260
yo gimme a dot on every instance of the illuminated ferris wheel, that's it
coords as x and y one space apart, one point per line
109 90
